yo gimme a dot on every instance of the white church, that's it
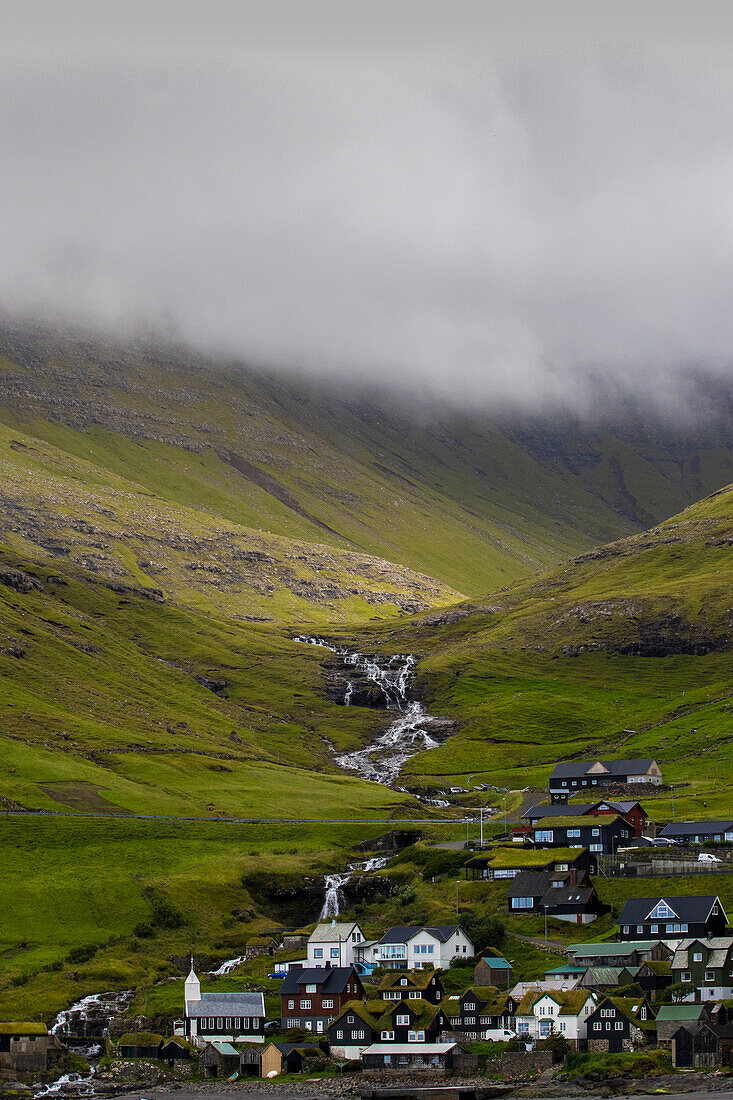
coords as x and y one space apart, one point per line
222 1017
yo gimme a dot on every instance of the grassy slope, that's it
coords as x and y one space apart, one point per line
462 499
537 673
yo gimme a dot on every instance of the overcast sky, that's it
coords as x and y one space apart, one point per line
484 205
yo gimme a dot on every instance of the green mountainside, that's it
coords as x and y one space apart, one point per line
624 651
167 526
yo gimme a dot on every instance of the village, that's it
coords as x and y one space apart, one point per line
424 1002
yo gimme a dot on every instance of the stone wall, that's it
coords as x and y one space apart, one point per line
518 1063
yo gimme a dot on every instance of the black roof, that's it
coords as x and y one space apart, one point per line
331 979
288 1048
529 884
571 769
401 933
691 909
553 811
696 828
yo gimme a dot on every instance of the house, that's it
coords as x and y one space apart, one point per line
706 965
631 953
295 941
620 1024
175 1050
493 970
222 1017
411 1057
411 947
334 943
542 1012
570 777
699 832
671 1017
361 1024
311 998
478 1010
411 986
558 976
139 1044
27 1047
279 1058
653 977
600 834
602 979
700 915
508 862
565 895
633 814
702 1045
219 1060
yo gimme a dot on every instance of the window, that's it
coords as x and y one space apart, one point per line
311 988
358 1034
291 1004
562 1025
318 952
573 832
334 952
340 1034
403 981
596 832
469 1006
228 1023
597 1026
697 957
470 1019
349 1019
626 929
709 975
305 1003
654 929
643 1014
686 976
237 1023
596 847
640 928
522 903
414 995
402 1021
662 912
220 1022
543 836
388 1035
619 1025
327 1002
412 1036
607 1012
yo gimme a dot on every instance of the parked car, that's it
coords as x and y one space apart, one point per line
708 857
278 974
499 1034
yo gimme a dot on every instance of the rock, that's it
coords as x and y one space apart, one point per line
18 580
218 686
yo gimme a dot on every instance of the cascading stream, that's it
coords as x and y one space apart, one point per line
335 883
382 760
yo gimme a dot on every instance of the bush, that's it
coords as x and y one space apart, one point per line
144 930
405 895
165 914
599 1067
82 953
483 931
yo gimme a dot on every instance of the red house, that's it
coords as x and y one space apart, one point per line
313 997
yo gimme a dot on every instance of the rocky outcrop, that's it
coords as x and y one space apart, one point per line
19 580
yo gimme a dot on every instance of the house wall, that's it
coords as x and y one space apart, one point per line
271 1060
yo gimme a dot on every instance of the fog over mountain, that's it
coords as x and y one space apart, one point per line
498 222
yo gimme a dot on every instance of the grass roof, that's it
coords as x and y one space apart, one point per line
24 1028
532 857
139 1039
576 822
421 979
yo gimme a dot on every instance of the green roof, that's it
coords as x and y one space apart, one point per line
681 1012
575 822
631 1007
567 968
532 857
140 1039
421 979
619 947
25 1028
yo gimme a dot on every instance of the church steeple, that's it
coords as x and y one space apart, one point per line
192 988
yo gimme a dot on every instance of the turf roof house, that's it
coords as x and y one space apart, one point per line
699 832
507 862
541 1012
225 1017
413 946
564 895
334 943
620 1024
673 918
602 835
630 953
672 1017
633 814
27 1047
572 776
706 965
480 1009
360 1024
313 997
404 986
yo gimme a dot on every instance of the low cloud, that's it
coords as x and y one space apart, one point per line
512 225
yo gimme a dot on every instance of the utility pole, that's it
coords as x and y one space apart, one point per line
481 811
545 908
505 824
671 787
457 885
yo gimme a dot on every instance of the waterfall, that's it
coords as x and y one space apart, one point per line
334 883
227 967
382 760
90 1017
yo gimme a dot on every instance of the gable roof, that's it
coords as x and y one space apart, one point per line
571 1001
416 979
688 1011
563 821
606 949
25 1028
403 933
697 828
331 933
570 769
370 1013
690 909
551 810
227 1004
332 979
508 857
718 949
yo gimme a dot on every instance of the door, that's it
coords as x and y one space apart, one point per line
616 1042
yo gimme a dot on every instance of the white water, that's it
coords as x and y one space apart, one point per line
334 883
227 967
91 1015
382 760
71 1084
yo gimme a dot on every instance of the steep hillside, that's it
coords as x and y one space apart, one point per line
625 651
212 454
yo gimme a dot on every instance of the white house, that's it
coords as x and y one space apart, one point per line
222 1017
542 1012
334 943
411 947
